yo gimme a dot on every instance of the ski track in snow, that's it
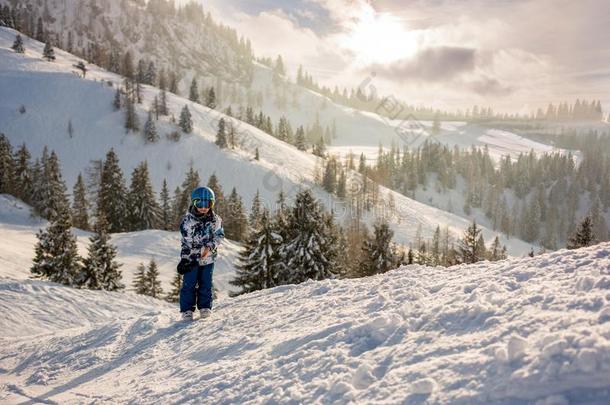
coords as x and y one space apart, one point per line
515 331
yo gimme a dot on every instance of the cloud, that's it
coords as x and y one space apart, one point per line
489 86
430 64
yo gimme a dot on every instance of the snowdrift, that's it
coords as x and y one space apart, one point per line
516 331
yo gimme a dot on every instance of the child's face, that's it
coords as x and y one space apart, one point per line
202 210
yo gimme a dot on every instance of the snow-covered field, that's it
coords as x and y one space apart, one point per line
18 238
511 332
53 95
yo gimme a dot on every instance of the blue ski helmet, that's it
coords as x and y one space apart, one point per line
203 197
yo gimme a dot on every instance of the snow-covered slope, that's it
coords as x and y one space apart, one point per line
18 230
53 96
516 331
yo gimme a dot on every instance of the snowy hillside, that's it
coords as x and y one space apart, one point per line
516 331
18 233
53 96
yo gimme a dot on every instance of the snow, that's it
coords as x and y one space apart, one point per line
18 230
53 95
515 331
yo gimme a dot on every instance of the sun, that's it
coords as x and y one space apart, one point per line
379 38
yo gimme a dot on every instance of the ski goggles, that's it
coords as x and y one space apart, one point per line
201 203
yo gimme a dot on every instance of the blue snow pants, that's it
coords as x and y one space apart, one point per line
197 288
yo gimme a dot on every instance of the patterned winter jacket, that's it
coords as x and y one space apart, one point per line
199 232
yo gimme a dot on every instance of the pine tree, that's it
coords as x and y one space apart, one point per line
116 103
7 166
468 247
152 280
56 256
319 148
182 197
221 137
258 261
144 211
194 91
235 221
163 103
186 122
80 216
166 208
379 255
40 35
48 52
140 280
219 203
100 271
132 123
210 100
51 189
150 130
22 174
583 236
112 196
255 211
307 252
174 294
18 45
300 142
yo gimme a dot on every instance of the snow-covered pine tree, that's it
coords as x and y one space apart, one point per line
23 174
235 221
186 121
174 294
112 196
210 100
142 206
255 211
52 197
150 129
468 246
194 91
56 256
100 271
232 135
48 52
379 255
80 206
166 208
306 252
18 45
221 136
583 236
140 280
7 166
152 280
258 261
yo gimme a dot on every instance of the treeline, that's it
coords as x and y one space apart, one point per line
539 198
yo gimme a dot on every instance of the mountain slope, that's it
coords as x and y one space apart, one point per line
516 331
18 229
53 95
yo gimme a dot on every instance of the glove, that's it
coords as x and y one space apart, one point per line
184 266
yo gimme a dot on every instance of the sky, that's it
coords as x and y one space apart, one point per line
512 55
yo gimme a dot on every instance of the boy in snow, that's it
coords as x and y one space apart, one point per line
202 231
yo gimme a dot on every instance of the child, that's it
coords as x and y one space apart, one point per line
202 231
